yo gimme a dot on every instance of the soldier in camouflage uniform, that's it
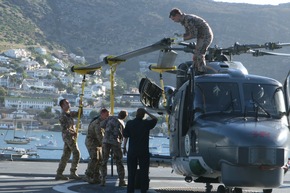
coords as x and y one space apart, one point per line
195 27
69 136
112 142
93 143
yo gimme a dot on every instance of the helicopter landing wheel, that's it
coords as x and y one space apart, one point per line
267 190
238 190
221 189
208 188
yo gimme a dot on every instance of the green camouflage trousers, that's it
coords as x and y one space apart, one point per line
118 156
70 147
94 164
202 45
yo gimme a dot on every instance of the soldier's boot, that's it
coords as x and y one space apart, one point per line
122 183
94 180
87 178
103 181
74 176
60 177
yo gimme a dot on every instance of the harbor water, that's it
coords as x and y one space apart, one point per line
158 145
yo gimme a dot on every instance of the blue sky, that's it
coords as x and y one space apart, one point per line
259 2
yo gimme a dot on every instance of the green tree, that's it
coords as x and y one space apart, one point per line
39 59
13 80
94 114
120 87
3 93
59 85
19 70
91 102
79 52
24 74
49 76
46 114
47 109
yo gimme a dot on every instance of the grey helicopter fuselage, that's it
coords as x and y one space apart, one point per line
235 126
225 126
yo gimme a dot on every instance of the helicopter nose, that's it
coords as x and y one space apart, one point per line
248 149
249 145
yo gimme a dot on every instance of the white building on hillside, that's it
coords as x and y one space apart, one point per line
28 102
36 84
4 81
30 65
16 53
4 60
99 90
40 50
42 72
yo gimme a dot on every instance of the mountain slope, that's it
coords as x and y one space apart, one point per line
94 27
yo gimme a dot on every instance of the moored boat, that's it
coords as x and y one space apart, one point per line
51 145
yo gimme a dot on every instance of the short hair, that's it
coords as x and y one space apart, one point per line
174 12
61 102
140 113
122 114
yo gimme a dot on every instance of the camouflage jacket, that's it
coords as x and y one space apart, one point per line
95 132
67 125
113 130
196 26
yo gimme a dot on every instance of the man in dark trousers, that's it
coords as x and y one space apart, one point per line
137 131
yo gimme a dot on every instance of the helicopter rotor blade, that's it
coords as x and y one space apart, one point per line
257 53
165 43
273 45
237 48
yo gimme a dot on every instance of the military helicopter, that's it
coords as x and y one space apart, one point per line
226 126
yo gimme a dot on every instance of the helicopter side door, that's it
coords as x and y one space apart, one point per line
174 122
179 122
287 94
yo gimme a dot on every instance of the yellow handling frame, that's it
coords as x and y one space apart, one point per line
161 70
80 111
82 71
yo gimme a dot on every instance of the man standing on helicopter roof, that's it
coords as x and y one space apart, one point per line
195 27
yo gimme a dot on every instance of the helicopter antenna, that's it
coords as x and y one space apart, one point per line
192 94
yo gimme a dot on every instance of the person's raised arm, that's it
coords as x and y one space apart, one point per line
150 115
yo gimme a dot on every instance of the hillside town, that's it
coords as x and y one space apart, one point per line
33 82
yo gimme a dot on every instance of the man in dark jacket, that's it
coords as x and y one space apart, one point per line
137 131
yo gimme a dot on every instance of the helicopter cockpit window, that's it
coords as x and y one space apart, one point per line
217 97
264 100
